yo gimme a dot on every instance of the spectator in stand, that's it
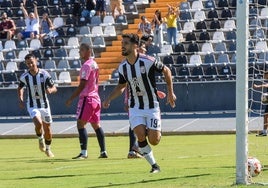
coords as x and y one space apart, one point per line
7 27
117 5
101 7
144 27
157 28
32 23
76 8
89 11
171 21
46 26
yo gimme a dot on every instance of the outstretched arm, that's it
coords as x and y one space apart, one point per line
118 90
171 97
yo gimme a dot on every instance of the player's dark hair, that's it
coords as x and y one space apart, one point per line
85 46
28 56
134 38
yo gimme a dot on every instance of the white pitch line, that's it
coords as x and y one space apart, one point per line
186 124
4 133
67 129
119 130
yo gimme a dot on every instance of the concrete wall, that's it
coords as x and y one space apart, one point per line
197 96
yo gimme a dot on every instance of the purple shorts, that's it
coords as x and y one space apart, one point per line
89 109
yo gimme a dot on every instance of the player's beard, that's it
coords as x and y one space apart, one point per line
125 53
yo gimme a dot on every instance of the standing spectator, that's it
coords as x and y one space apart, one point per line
38 83
89 104
137 72
46 26
89 10
32 23
264 88
171 21
157 28
117 5
101 7
7 27
144 27
76 8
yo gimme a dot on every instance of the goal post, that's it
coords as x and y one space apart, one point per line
242 92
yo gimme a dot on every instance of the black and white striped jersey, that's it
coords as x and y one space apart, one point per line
36 86
141 80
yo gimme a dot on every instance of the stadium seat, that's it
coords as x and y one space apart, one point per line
232 46
185 6
84 30
97 31
53 76
188 27
230 35
264 13
199 15
10 45
60 53
220 47
229 25
218 36
223 59
22 66
209 59
59 41
73 42
71 31
181 60
197 73
168 60
73 54
114 76
70 20
182 73
98 42
201 25
223 4
225 72
108 20
195 60
58 22
121 19
153 50
193 47
63 64
204 36
206 48
87 40
47 42
75 64
209 4
261 46
2 67
10 77
48 53
22 54
131 9
10 55
109 30
37 53
50 65
211 73
11 66
22 44
226 13
190 36
215 24
64 77
95 21
213 14
35 44
197 5
165 50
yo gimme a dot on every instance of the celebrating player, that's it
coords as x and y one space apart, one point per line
137 71
89 105
38 83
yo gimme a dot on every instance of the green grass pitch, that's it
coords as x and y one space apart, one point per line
186 161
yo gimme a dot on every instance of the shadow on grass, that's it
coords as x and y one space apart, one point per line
148 181
65 176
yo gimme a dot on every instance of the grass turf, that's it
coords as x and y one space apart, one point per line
186 161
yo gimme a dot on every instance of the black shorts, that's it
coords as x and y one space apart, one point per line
101 5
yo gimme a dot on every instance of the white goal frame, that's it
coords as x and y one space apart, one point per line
242 91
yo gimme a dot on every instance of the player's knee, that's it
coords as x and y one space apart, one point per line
155 141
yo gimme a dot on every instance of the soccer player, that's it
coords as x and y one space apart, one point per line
265 116
137 71
89 104
38 83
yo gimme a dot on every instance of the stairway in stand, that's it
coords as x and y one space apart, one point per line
111 57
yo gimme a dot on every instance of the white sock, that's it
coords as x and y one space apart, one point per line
47 147
148 154
84 152
41 137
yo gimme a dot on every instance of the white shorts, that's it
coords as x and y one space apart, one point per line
44 113
151 118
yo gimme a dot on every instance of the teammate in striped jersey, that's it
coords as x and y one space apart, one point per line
138 72
38 83
89 104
